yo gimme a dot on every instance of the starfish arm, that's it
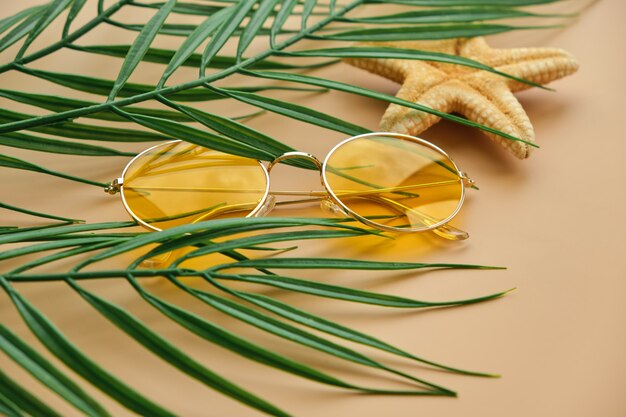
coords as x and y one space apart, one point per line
539 65
542 70
410 121
393 69
492 104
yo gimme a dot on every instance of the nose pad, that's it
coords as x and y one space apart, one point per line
331 208
268 205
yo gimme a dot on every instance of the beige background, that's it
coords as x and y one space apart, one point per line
556 221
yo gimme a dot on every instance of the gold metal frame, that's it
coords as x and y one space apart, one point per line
368 222
440 227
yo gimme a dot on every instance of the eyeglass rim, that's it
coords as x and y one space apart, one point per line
145 151
371 223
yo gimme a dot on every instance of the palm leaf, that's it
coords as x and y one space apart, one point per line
183 58
224 33
413 33
140 47
14 399
193 41
32 16
49 14
252 28
38 214
15 163
316 322
10 21
77 6
286 9
447 15
35 143
399 53
48 374
295 111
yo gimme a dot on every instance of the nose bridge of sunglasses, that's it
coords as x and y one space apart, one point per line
300 160
295 155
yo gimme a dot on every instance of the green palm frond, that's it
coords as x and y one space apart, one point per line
71 240
52 126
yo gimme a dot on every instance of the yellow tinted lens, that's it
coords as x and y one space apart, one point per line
394 181
179 183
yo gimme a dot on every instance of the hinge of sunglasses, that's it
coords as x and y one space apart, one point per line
467 181
113 187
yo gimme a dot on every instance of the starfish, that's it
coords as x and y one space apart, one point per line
479 95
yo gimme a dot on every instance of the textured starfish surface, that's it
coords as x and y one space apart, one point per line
479 95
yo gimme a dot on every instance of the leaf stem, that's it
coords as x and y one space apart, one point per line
139 273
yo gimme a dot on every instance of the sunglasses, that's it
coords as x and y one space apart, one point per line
388 181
